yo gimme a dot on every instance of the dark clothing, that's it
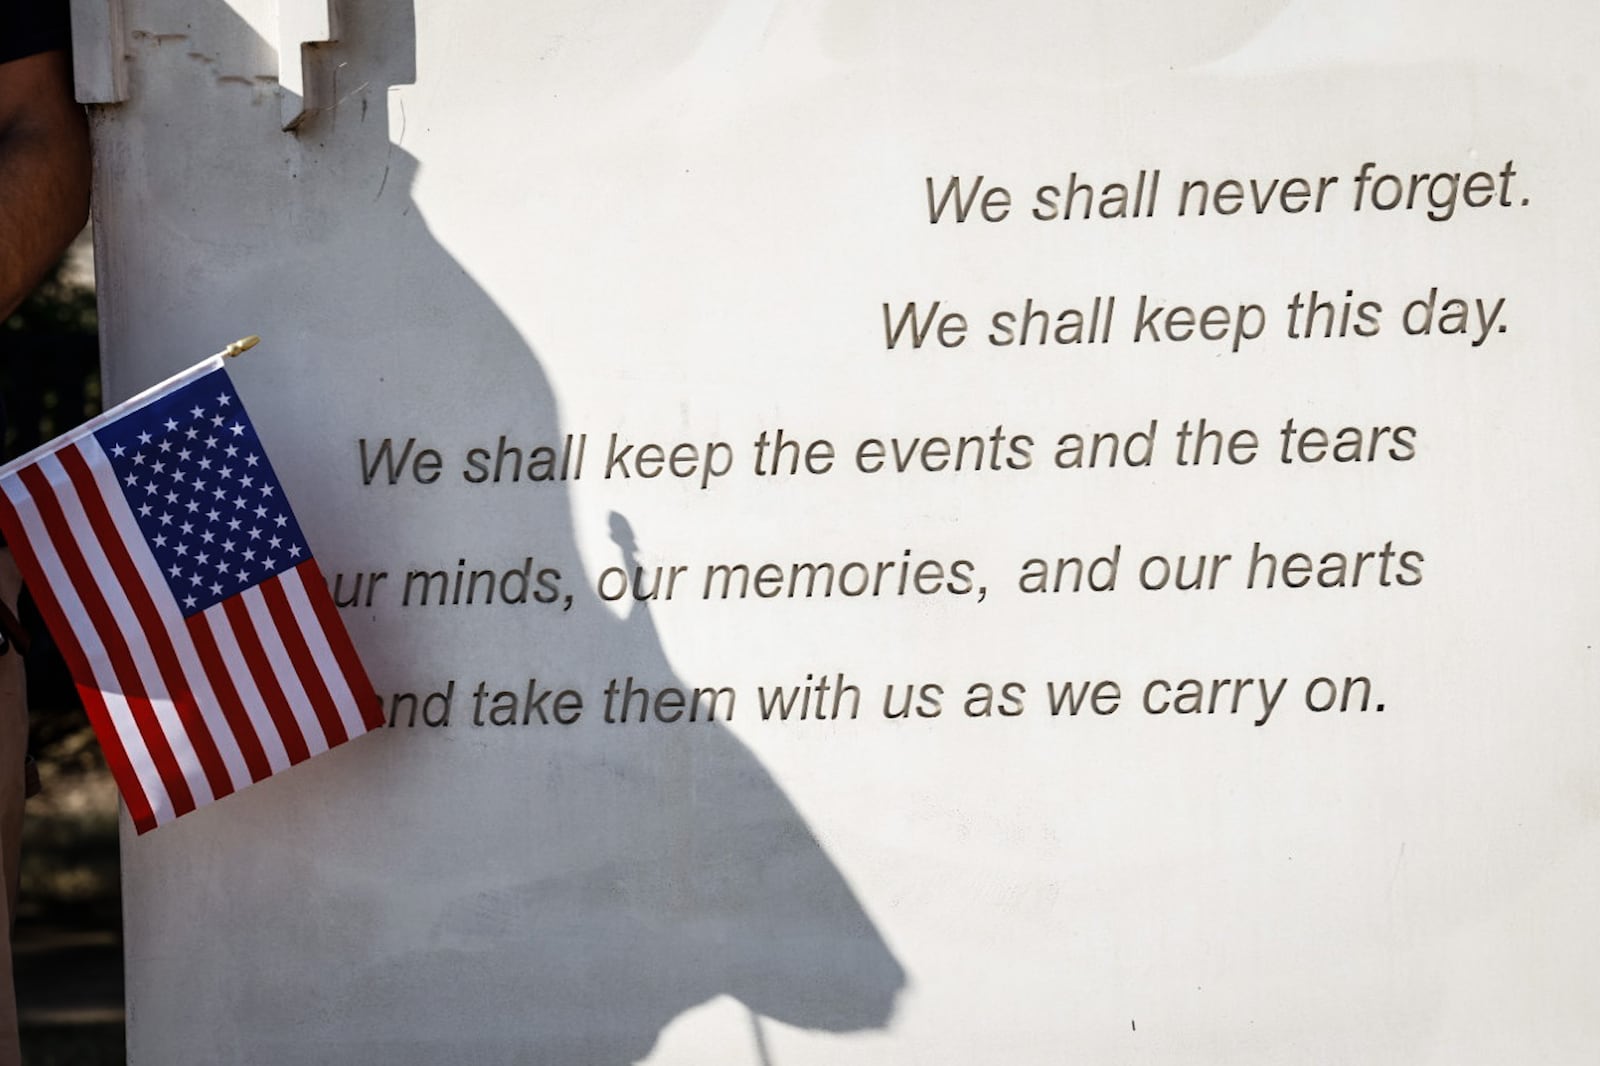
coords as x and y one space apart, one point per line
28 27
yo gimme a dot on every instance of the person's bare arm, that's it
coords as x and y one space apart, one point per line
44 171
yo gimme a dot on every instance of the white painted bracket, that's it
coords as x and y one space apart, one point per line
302 25
99 52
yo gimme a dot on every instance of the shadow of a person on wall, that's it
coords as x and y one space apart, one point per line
442 893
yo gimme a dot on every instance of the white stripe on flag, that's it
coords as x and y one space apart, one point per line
116 597
295 591
299 700
244 683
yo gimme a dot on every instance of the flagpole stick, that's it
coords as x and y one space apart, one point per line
111 414
240 346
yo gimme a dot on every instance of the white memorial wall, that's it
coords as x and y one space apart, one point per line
890 533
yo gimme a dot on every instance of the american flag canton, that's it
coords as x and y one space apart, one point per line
203 493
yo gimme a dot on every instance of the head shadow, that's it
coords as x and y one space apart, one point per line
520 893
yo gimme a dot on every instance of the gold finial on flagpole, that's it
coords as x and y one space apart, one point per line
240 346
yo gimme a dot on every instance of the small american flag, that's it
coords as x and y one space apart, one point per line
159 547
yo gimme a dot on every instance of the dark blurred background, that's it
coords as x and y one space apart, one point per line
68 938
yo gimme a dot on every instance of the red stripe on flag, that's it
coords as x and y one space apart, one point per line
294 642
355 675
105 625
244 730
138 593
94 701
262 673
